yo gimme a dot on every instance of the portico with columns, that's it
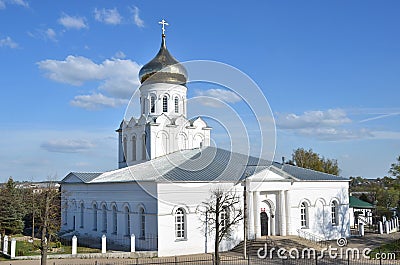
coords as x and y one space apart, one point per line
280 203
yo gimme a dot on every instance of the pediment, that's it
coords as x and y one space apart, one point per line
71 178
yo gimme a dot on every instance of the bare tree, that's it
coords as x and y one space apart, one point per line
48 217
220 214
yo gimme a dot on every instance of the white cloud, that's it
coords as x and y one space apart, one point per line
117 77
108 16
8 42
3 3
67 145
97 101
120 55
136 18
70 22
313 119
19 2
336 134
51 34
216 97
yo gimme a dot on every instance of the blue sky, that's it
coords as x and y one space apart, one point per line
330 71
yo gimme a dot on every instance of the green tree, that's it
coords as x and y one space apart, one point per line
395 169
11 209
311 160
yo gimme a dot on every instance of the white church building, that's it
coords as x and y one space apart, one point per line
167 169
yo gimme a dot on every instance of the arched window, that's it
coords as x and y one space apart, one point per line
115 219
142 220
127 221
134 148
180 225
223 218
125 147
303 214
104 212
144 147
153 104
334 213
176 101
82 214
165 104
95 217
143 106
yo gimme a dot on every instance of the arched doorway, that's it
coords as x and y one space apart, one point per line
264 223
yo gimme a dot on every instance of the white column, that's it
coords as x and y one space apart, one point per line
104 244
13 247
250 215
133 247
288 213
74 245
257 222
282 213
5 245
273 223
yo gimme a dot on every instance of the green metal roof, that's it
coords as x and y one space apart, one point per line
355 202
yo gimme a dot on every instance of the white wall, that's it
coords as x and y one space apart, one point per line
128 194
188 196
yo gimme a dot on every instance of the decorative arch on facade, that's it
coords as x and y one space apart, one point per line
182 140
183 206
305 200
321 200
271 205
162 142
198 140
127 218
334 199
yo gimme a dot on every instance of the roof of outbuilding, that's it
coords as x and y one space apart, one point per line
355 202
202 165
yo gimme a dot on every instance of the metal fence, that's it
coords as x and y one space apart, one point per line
208 259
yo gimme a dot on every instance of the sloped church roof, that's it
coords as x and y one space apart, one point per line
200 165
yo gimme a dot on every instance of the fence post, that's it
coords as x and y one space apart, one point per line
103 244
5 245
74 245
13 247
175 260
133 247
361 229
380 227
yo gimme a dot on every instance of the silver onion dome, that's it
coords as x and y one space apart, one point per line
163 68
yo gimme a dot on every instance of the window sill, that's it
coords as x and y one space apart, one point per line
180 239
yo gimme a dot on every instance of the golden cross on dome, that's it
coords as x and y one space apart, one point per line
163 23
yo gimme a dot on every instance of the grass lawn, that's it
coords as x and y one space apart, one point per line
28 249
392 247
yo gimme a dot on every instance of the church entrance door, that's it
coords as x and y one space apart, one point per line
264 223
